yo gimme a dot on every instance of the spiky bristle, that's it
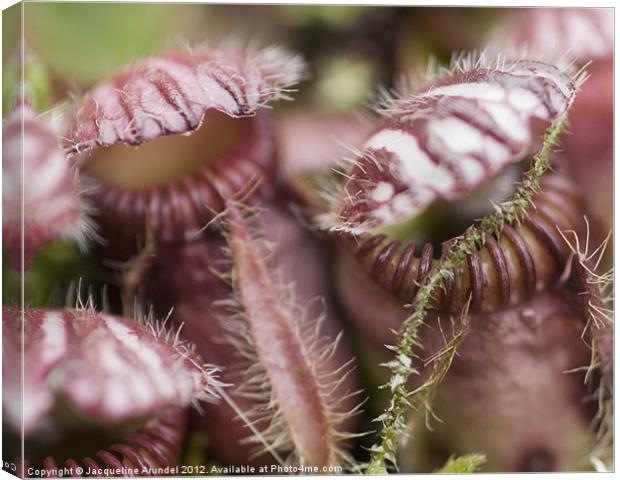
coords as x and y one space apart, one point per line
594 291
287 362
445 140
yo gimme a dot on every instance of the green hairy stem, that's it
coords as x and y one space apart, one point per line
510 212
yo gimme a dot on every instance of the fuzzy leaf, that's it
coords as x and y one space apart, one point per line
108 368
304 417
169 93
52 205
445 142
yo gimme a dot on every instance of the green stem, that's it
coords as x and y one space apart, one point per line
510 212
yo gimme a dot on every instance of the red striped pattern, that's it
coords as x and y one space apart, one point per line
52 205
106 367
170 93
445 142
